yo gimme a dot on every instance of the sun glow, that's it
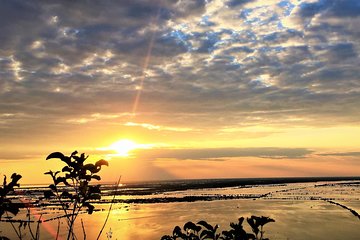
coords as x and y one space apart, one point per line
124 147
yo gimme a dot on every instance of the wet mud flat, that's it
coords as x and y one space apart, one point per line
326 208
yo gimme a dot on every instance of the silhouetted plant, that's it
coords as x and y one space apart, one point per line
192 232
78 191
237 232
209 232
256 222
204 231
6 206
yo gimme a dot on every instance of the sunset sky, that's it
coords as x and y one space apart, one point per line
168 89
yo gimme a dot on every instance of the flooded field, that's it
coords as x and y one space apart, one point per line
307 210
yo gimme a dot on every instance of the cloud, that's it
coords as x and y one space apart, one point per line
214 64
97 116
338 8
217 154
11 156
157 127
341 154
235 3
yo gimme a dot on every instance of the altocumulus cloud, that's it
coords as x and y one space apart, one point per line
260 62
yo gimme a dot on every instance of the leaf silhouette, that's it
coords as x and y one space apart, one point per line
95 196
48 194
177 231
11 208
55 155
90 209
166 237
264 220
101 163
66 169
191 226
91 167
206 234
61 180
15 178
49 173
253 224
97 177
206 225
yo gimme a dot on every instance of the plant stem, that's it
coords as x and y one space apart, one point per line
18 234
38 228
73 218
111 204
62 204
58 229
20 229
82 225
30 230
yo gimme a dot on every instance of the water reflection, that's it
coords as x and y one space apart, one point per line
298 214
298 208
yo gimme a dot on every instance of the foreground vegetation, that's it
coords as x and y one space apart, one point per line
204 231
75 195
79 191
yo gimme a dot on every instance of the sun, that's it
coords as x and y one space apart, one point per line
124 147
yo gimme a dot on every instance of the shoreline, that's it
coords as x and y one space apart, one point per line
192 191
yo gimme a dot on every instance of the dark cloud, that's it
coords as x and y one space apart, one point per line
235 3
17 17
221 153
342 154
17 157
346 8
311 9
341 52
331 8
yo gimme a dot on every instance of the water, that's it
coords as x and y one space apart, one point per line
302 210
